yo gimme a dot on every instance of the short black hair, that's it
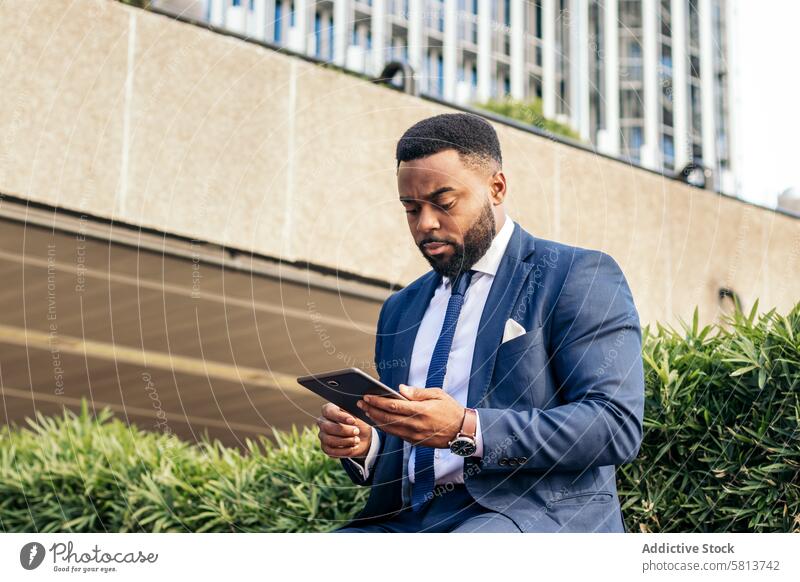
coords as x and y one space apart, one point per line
470 135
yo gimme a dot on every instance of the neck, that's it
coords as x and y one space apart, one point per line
499 221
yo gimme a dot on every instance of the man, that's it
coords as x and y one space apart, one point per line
524 376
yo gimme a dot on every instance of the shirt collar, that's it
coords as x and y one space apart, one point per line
490 261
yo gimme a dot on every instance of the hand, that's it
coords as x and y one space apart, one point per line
433 418
341 434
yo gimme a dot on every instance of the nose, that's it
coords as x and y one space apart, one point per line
427 220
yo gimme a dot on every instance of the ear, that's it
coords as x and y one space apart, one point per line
497 188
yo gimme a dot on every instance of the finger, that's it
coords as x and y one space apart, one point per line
339 452
336 414
362 426
413 393
339 442
401 431
384 418
337 429
392 405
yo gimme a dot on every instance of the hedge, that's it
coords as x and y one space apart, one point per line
719 454
720 451
75 473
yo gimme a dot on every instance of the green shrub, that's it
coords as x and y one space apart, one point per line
76 473
720 450
528 112
720 454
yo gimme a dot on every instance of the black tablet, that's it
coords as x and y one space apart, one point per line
346 387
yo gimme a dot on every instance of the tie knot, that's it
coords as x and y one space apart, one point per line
462 282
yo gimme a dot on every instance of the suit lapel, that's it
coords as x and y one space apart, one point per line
505 290
408 325
405 334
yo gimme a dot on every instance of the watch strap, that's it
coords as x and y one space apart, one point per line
469 425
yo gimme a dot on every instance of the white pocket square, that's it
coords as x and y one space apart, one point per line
512 330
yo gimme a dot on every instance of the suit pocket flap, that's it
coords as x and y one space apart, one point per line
521 343
583 498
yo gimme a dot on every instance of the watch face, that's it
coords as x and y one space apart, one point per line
463 446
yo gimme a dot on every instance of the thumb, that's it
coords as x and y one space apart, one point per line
417 393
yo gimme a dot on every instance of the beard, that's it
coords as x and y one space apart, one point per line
477 240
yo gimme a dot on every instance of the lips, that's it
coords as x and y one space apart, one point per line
435 248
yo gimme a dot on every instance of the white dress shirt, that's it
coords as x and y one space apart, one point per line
448 467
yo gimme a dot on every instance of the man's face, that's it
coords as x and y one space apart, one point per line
451 209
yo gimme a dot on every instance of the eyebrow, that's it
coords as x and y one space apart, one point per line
430 195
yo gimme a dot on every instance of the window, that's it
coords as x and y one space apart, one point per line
318 34
694 24
636 138
278 20
668 149
630 13
632 142
694 66
631 104
440 74
694 97
330 42
666 114
666 61
665 18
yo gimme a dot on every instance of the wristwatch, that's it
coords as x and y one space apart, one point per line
465 442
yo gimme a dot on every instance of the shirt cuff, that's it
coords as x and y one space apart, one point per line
478 436
374 445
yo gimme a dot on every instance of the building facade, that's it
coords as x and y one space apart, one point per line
173 266
643 80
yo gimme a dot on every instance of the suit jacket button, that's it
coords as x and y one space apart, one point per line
513 462
522 460
503 462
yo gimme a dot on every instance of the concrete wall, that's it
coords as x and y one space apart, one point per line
129 115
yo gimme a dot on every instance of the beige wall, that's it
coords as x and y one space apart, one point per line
128 115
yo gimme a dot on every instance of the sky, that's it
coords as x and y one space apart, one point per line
765 99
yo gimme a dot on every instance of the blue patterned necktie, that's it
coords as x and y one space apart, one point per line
423 456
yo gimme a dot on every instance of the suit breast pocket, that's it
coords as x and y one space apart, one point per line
519 368
520 344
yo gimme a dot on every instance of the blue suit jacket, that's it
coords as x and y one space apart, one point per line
560 406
